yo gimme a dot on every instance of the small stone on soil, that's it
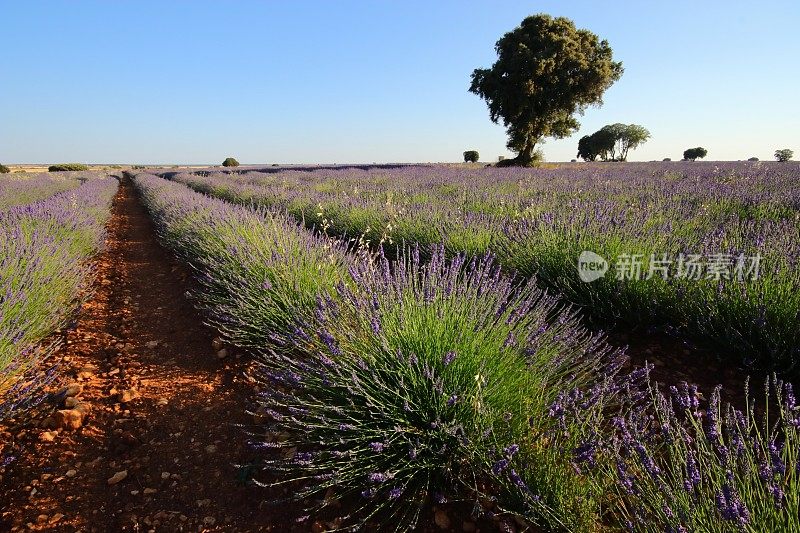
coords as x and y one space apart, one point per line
116 478
48 436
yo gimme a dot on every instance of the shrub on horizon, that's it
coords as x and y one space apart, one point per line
753 159
230 162
68 167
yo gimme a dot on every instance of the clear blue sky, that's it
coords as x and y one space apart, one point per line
345 81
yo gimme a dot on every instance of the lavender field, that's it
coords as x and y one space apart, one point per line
430 340
423 334
400 267
720 222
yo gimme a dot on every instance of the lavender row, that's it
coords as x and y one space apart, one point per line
44 251
22 190
538 222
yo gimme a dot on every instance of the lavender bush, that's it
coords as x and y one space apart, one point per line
423 383
44 249
393 386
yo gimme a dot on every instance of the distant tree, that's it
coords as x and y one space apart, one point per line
598 144
612 142
4 169
692 154
753 159
620 138
587 149
573 160
547 71
666 159
67 167
784 155
471 156
230 162
631 136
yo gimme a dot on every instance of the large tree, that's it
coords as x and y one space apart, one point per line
547 70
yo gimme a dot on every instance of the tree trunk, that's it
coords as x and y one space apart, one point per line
525 156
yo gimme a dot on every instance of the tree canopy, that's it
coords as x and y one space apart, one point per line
547 71
471 156
629 137
230 162
692 154
598 144
784 155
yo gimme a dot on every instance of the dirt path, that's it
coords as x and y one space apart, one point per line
139 337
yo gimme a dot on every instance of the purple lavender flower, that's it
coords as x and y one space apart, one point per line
778 496
692 473
511 450
377 477
778 466
624 477
500 465
330 342
586 454
731 507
